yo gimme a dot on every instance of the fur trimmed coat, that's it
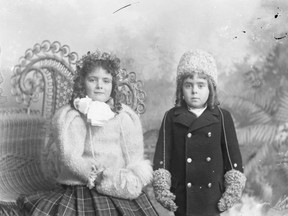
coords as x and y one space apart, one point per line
116 148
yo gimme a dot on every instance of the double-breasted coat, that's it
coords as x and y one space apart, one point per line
197 157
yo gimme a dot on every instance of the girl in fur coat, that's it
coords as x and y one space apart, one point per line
197 160
99 158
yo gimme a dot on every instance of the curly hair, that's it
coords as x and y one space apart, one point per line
86 65
212 98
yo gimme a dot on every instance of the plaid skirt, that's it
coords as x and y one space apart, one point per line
80 201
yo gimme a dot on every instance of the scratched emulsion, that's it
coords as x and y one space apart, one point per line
276 15
124 7
150 36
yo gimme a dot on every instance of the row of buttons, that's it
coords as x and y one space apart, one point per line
189 160
189 185
208 159
209 134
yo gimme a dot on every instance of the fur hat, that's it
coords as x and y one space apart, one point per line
197 61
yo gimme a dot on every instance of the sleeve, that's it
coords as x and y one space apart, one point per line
162 152
129 181
231 152
70 134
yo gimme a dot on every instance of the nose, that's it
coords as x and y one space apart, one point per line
194 89
99 85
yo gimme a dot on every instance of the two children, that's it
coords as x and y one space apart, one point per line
100 161
197 156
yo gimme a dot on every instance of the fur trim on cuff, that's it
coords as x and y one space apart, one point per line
234 186
127 186
143 170
161 185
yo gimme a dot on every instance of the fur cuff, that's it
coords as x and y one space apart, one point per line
234 186
143 170
161 185
123 184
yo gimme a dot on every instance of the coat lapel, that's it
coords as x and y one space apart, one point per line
183 116
208 117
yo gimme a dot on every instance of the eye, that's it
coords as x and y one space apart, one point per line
91 79
187 85
201 85
107 81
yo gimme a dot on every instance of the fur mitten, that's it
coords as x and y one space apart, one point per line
234 186
161 185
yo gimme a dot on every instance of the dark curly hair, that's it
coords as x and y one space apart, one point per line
86 65
212 98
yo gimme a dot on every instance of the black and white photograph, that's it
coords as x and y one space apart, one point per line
144 108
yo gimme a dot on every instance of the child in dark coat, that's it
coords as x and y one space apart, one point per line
197 161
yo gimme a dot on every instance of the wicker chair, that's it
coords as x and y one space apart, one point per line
44 76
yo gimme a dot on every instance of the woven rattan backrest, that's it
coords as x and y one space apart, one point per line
46 72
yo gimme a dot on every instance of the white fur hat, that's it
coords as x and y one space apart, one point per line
197 61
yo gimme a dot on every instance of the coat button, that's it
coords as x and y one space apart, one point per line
189 185
235 165
208 159
209 185
189 160
161 162
209 134
189 135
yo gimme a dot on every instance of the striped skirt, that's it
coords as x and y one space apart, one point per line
80 201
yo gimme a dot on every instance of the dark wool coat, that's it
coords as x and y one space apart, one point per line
197 157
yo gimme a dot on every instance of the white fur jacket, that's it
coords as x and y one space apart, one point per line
116 148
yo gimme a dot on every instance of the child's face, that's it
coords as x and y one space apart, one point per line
195 91
98 84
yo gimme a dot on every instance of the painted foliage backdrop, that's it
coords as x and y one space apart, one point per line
249 40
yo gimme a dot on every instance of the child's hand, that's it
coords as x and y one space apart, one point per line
161 185
166 199
95 177
99 177
234 185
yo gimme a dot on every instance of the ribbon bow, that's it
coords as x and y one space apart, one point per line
98 113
